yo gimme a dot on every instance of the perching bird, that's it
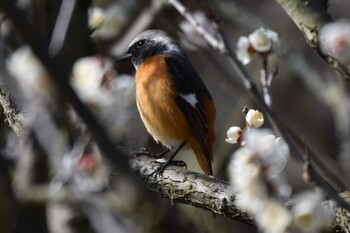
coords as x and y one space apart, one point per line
174 104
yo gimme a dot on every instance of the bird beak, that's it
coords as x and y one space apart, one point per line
123 57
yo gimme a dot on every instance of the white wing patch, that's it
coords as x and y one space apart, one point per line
190 98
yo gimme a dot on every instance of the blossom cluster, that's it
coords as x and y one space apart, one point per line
99 87
29 74
109 95
256 172
108 22
253 119
92 79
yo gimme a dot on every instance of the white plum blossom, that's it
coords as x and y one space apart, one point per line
245 174
97 17
262 41
255 170
108 22
90 79
256 173
274 217
310 215
83 168
245 52
31 76
272 151
234 135
334 39
254 118
109 96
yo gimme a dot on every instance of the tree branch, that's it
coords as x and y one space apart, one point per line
216 43
14 118
181 185
176 183
309 16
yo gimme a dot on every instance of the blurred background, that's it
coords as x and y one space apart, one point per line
307 95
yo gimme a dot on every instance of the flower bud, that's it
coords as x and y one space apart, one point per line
234 135
254 118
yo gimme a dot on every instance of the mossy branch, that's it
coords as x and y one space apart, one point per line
309 16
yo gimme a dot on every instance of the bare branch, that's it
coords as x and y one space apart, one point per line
181 185
266 79
176 184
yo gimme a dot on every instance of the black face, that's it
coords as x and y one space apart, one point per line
150 43
145 48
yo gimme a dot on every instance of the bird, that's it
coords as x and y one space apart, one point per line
173 101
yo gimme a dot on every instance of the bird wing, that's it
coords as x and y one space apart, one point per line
191 92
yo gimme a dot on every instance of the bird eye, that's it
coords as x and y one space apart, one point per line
140 43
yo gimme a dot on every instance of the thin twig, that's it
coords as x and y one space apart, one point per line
314 158
61 26
214 42
266 79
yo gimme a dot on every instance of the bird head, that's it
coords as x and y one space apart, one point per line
150 43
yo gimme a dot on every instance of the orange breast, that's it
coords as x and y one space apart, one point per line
159 112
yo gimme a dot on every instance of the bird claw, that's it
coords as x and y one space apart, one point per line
158 171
